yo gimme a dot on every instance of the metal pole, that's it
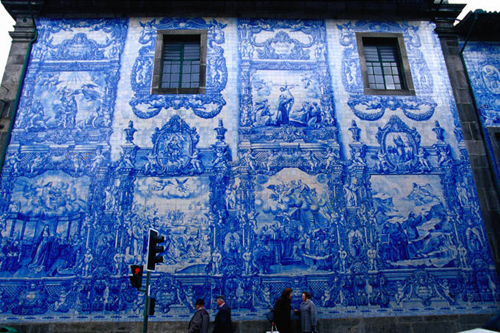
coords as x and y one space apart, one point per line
477 11
146 304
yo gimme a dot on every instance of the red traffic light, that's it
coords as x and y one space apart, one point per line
136 278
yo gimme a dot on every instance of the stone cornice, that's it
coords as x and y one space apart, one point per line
308 9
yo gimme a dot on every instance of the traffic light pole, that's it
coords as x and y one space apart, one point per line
146 304
137 270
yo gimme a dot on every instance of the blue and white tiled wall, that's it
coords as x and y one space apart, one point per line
284 174
483 66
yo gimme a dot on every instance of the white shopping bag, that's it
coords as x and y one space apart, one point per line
273 329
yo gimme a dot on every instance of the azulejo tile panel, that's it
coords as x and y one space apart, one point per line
367 202
483 66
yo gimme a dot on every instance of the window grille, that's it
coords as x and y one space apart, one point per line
382 67
384 64
181 64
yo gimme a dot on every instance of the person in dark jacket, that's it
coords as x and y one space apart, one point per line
223 323
201 319
282 311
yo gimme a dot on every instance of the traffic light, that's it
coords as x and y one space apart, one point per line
136 278
152 303
154 249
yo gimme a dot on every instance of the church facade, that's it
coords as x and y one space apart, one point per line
289 166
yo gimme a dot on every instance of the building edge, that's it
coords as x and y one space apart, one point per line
10 88
473 134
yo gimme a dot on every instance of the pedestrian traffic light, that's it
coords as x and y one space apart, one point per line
154 249
152 303
136 278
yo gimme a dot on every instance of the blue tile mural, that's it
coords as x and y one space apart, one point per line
483 63
482 60
291 177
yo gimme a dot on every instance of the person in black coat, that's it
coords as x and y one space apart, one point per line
223 323
201 319
282 311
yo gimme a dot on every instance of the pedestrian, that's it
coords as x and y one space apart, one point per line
223 323
201 319
282 312
308 314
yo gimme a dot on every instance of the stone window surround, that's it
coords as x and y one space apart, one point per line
494 134
403 61
158 64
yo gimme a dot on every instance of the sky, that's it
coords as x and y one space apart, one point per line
6 23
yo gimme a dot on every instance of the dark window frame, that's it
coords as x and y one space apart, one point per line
161 37
494 134
397 40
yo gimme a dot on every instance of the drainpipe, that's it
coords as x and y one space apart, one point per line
19 89
477 11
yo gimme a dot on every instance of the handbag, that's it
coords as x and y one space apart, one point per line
270 316
274 329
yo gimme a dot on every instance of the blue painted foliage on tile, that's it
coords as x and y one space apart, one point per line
420 107
378 221
206 105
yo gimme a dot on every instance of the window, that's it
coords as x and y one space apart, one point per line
384 64
180 62
494 134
